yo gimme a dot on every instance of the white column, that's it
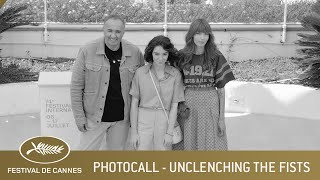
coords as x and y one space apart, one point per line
55 107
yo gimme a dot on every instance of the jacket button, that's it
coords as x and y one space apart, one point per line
97 121
100 108
102 96
105 83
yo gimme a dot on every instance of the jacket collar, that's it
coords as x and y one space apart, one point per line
167 69
126 50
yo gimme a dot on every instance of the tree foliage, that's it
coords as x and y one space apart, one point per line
310 50
229 11
11 17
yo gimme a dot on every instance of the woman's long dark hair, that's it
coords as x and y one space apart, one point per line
210 50
166 44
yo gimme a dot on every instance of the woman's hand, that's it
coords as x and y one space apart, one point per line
168 139
221 122
135 140
221 127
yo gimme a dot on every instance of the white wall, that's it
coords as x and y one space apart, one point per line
241 97
259 116
247 131
19 98
237 41
273 99
272 116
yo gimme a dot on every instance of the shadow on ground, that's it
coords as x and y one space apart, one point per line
16 129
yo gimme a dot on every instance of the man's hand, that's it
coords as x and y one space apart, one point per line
82 127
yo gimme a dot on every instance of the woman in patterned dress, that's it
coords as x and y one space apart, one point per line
205 72
150 128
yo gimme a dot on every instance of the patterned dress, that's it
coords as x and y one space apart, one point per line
201 128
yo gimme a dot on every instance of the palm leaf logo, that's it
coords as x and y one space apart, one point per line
45 149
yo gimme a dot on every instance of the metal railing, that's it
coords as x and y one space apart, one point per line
165 23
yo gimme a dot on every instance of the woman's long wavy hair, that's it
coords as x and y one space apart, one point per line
210 50
166 44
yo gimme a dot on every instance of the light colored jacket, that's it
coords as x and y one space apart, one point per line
90 80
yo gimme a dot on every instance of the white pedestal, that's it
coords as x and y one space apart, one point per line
56 113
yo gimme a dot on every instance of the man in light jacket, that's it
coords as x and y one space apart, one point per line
101 80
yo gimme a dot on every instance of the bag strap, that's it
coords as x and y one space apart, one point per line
154 84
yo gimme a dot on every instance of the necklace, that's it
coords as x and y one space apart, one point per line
160 77
114 61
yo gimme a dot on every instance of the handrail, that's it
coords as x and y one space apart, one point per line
159 27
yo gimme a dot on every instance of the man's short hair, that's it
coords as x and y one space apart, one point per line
113 16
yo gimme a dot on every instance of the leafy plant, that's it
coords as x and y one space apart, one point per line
11 17
311 48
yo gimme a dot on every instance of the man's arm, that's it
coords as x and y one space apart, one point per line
135 140
76 90
141 59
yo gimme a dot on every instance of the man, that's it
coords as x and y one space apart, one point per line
101 80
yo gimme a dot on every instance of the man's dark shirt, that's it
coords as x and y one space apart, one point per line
114 106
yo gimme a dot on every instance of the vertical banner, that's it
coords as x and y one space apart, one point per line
56 113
